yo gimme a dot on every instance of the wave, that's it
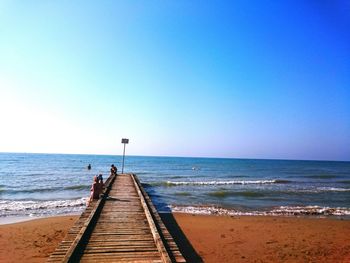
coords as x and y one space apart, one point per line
35 190
78 187
333 189
279 211
176 177
311 210
34 207
320 190
344 182
282 181
223 193
230 182
183 194
43 190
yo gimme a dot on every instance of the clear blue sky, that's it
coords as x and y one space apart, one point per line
241 79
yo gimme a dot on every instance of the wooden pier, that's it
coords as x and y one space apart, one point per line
122 226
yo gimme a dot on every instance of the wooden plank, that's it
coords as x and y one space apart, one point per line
169 241
71 255
157 238
121 220
119 228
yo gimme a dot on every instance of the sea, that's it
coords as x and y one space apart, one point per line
42 185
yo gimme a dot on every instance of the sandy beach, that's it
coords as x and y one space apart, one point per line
211 238
267 239
33 241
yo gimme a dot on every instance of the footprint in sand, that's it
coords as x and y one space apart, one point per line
271 242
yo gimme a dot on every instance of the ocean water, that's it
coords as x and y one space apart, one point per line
55 184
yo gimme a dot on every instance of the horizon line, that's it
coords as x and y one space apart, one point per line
175 156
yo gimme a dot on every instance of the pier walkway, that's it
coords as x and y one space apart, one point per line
122 226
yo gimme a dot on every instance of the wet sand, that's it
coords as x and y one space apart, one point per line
210 238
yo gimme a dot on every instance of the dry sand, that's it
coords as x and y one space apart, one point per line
33 241
211 238
267 239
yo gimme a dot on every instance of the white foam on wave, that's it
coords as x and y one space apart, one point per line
320 190
209 210
333 189
42 207
280 211
222 182
311 210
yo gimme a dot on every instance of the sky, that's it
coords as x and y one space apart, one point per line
234 79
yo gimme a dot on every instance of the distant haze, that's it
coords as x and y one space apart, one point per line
242 79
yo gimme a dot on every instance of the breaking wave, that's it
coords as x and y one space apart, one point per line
333 189
279 211
41 208
320 190
230 182
311 210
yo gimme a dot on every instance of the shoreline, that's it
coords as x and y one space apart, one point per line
213 238
22 219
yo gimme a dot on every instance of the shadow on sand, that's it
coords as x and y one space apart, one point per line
183 243
169 221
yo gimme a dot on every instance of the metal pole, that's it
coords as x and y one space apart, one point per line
124 141
123 159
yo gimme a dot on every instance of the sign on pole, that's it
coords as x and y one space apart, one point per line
124 141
